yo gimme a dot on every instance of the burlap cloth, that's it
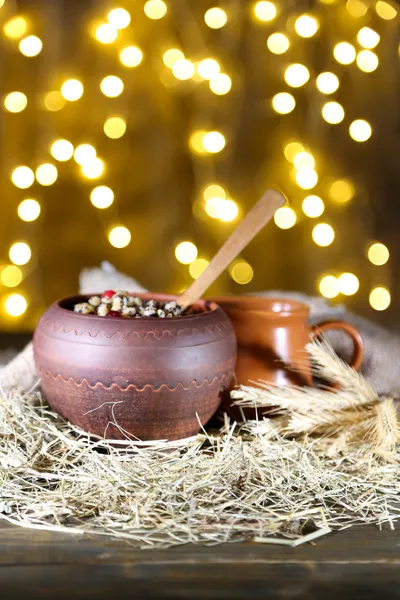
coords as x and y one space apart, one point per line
382 348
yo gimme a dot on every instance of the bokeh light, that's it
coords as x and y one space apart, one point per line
215 18
15 102
46 174
186 252
227 210
171 56
341 191
313 206
283 103
296 75
212 206
385 10
112 86
303 159
196 141
323 234
368 38
378 254
292 149
119 236
306 178
197 267
379 298
84 153
329 286
214 141
285 217
29 210
344 53
208 68
306 26
31 46
93 169
11 276
367 61
131 56
278 43
214 190
16 305
356 8
333 112
155 9
114 127
62 150
102 196
264 11
22 177
241 272
15 27
119 18
72 90
106 33
221 84
327 82
20 253
183 69
54 101
348 284
360 130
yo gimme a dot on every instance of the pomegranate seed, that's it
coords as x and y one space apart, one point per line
113 313
109 293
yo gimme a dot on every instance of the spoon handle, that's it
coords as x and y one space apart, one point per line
253 222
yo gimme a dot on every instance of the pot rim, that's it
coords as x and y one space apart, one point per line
207 307
271 306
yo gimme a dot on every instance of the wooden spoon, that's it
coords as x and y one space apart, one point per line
247 229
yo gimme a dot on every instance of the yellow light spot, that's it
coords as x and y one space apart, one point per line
215 18
306 26
292 149
241 272
112 86
303 159
356 8
15 27
46 174
214 191
15 305
22 177
297 75
93 169
119 18
285 217
221 84
171 56
329 286
367 61
114 127
155 9
183 69
102 196
15 102
31 46
327 83
119 236
106 33
313 206
344 53
227 210
333 113
208 68
368 38
379 298
197 267
348 284
214 141
341 191
323 234
11 276
278 43
378 254
62 150
306 178
29 210
54 101
283 103
196 141
20 253
212 206
186 253
131 56
385 11
360 130
84 153
264 11
72 89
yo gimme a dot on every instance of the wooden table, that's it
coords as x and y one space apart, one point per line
357 563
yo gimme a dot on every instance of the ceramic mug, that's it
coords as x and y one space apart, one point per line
272 334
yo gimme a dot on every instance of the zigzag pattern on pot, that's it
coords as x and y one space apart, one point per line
55 326
132 386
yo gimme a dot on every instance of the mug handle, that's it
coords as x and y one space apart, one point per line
358 353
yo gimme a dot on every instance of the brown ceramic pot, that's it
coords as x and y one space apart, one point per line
146 377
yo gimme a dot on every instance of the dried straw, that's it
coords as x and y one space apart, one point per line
241 482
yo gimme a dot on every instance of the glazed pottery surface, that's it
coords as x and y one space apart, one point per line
146 378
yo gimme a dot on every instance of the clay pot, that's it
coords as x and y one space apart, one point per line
145 378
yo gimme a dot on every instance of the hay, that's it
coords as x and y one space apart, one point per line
243 482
